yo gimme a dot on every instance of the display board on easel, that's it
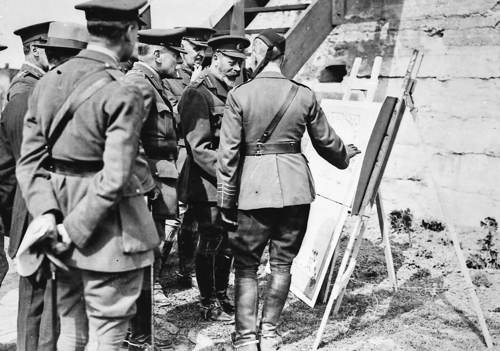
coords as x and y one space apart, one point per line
335 190
368 194
354 121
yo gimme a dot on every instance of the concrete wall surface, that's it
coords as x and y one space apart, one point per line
457 96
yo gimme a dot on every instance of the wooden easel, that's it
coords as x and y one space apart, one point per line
350 256
368 87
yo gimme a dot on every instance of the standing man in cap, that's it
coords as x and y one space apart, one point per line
159 53
4 264
63 41
201 107
262 128
77 171
195 45
34 312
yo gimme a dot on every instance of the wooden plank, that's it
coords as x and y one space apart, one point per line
384 228
311 29
262 9
238 18
372 152
145 16
255 31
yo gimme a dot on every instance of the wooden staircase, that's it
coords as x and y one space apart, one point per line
316 21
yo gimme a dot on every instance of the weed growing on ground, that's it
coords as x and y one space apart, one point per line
487 257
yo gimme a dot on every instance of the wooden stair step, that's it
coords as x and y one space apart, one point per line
296 7
281 30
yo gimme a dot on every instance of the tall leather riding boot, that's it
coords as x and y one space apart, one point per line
276 294
222 268
210 307
205 275
185 247
246 297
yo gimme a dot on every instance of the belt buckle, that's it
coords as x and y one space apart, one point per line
259 149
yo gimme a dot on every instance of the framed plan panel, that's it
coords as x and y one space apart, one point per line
353 121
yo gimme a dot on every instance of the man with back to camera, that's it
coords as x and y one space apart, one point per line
159 53
261 131
201 107
77 174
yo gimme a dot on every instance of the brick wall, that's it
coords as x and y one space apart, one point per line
457 95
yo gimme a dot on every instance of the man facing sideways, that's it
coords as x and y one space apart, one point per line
77 173
34 317
262 174
194 42
159 53
201 107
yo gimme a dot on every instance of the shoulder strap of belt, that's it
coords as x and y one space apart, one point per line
279 115
84 89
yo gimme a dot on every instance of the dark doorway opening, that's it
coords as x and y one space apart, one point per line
332 74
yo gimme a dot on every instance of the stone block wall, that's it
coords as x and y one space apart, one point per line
457 96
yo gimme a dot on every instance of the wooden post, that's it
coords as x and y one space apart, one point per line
343 275
384 229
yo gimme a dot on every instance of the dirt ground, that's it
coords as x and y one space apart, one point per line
430 311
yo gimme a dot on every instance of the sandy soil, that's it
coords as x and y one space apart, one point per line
430 311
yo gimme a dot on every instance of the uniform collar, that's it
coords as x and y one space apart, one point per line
37 72
149 72
270 74
99 53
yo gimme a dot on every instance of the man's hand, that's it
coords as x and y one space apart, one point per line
229 218
49 219
196 72
352 151
62 243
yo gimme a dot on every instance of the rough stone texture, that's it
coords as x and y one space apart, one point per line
457 96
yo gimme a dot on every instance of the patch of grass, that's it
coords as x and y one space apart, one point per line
433 225
480 279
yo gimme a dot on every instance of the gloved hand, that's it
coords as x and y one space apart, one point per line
229 218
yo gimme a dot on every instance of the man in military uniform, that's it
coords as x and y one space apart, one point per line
159 53
201 107
33 322
4 264
77 172
262 173
194 43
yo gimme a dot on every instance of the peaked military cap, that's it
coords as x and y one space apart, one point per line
33 33
198 35
230 45
2 47
112 10
66 35
273 40
170 38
